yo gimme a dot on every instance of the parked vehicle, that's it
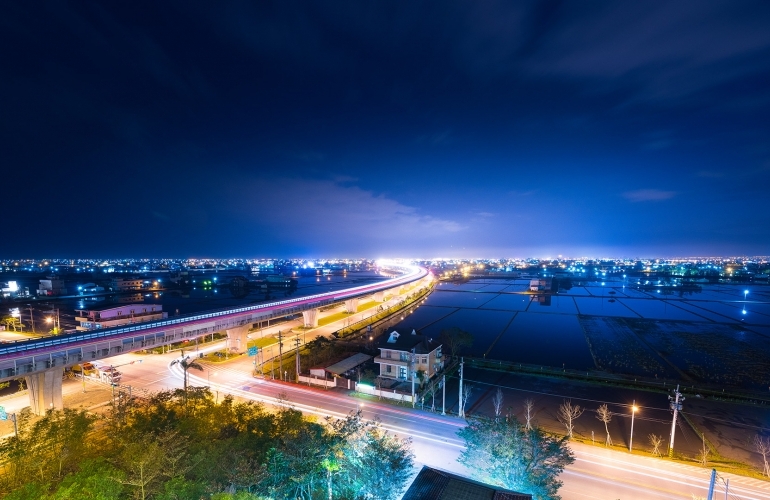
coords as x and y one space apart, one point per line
100 371
86 369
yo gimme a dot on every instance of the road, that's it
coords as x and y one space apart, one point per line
596 474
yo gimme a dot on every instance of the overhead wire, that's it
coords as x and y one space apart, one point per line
625 405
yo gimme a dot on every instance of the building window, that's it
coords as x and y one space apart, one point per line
388 369
387 354
401 372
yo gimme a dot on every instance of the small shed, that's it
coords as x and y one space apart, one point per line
341 368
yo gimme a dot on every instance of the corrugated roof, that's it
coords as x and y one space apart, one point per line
435 484
348 363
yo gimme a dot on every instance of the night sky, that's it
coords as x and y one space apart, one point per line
385 129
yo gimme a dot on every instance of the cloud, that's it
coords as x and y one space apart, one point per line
161 216
648 195
436 139
309 156
522 193
324 211
666 51
485 214
658 145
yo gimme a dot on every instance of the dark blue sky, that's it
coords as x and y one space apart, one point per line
489 129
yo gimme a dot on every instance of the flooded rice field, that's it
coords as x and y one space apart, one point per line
712 333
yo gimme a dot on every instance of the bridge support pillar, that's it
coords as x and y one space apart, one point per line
310 318
237 338
351 306
379 297
44 390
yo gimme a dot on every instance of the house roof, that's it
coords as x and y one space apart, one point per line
348 363
107 307
406 342
436 484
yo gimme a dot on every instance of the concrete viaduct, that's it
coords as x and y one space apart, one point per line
42 361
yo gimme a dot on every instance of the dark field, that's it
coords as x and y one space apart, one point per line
708 335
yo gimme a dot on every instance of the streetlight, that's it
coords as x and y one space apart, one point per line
634 409
56 322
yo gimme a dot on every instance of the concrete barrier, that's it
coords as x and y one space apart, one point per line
387 393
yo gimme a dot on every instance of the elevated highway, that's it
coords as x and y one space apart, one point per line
42 361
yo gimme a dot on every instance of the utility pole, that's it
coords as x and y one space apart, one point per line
32 319
298 342
633 412
710 495
280 354
460 401
443 394
411 369
675 404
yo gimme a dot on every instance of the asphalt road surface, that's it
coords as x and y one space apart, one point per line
596 474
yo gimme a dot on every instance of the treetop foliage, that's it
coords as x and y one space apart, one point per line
188 448
505 453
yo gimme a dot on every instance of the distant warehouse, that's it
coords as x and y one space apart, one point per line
109 316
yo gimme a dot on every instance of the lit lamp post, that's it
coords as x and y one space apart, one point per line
745 296
55 321
634 409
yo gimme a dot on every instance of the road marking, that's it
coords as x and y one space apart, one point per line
629 484
154 381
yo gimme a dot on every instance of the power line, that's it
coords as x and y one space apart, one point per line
561 395
727 421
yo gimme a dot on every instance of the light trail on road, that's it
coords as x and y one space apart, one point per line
596 474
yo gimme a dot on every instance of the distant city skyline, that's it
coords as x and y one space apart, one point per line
380 130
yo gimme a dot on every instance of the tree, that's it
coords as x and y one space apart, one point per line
762 446
529 406
13 322
45 450
456 339
497 402
186 364
655 442
467 391
567 414
433 389
505 453
142 461
357 459
703 453
604 414
421 377
372 463
95 480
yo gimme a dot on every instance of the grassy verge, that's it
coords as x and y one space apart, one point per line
332 318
